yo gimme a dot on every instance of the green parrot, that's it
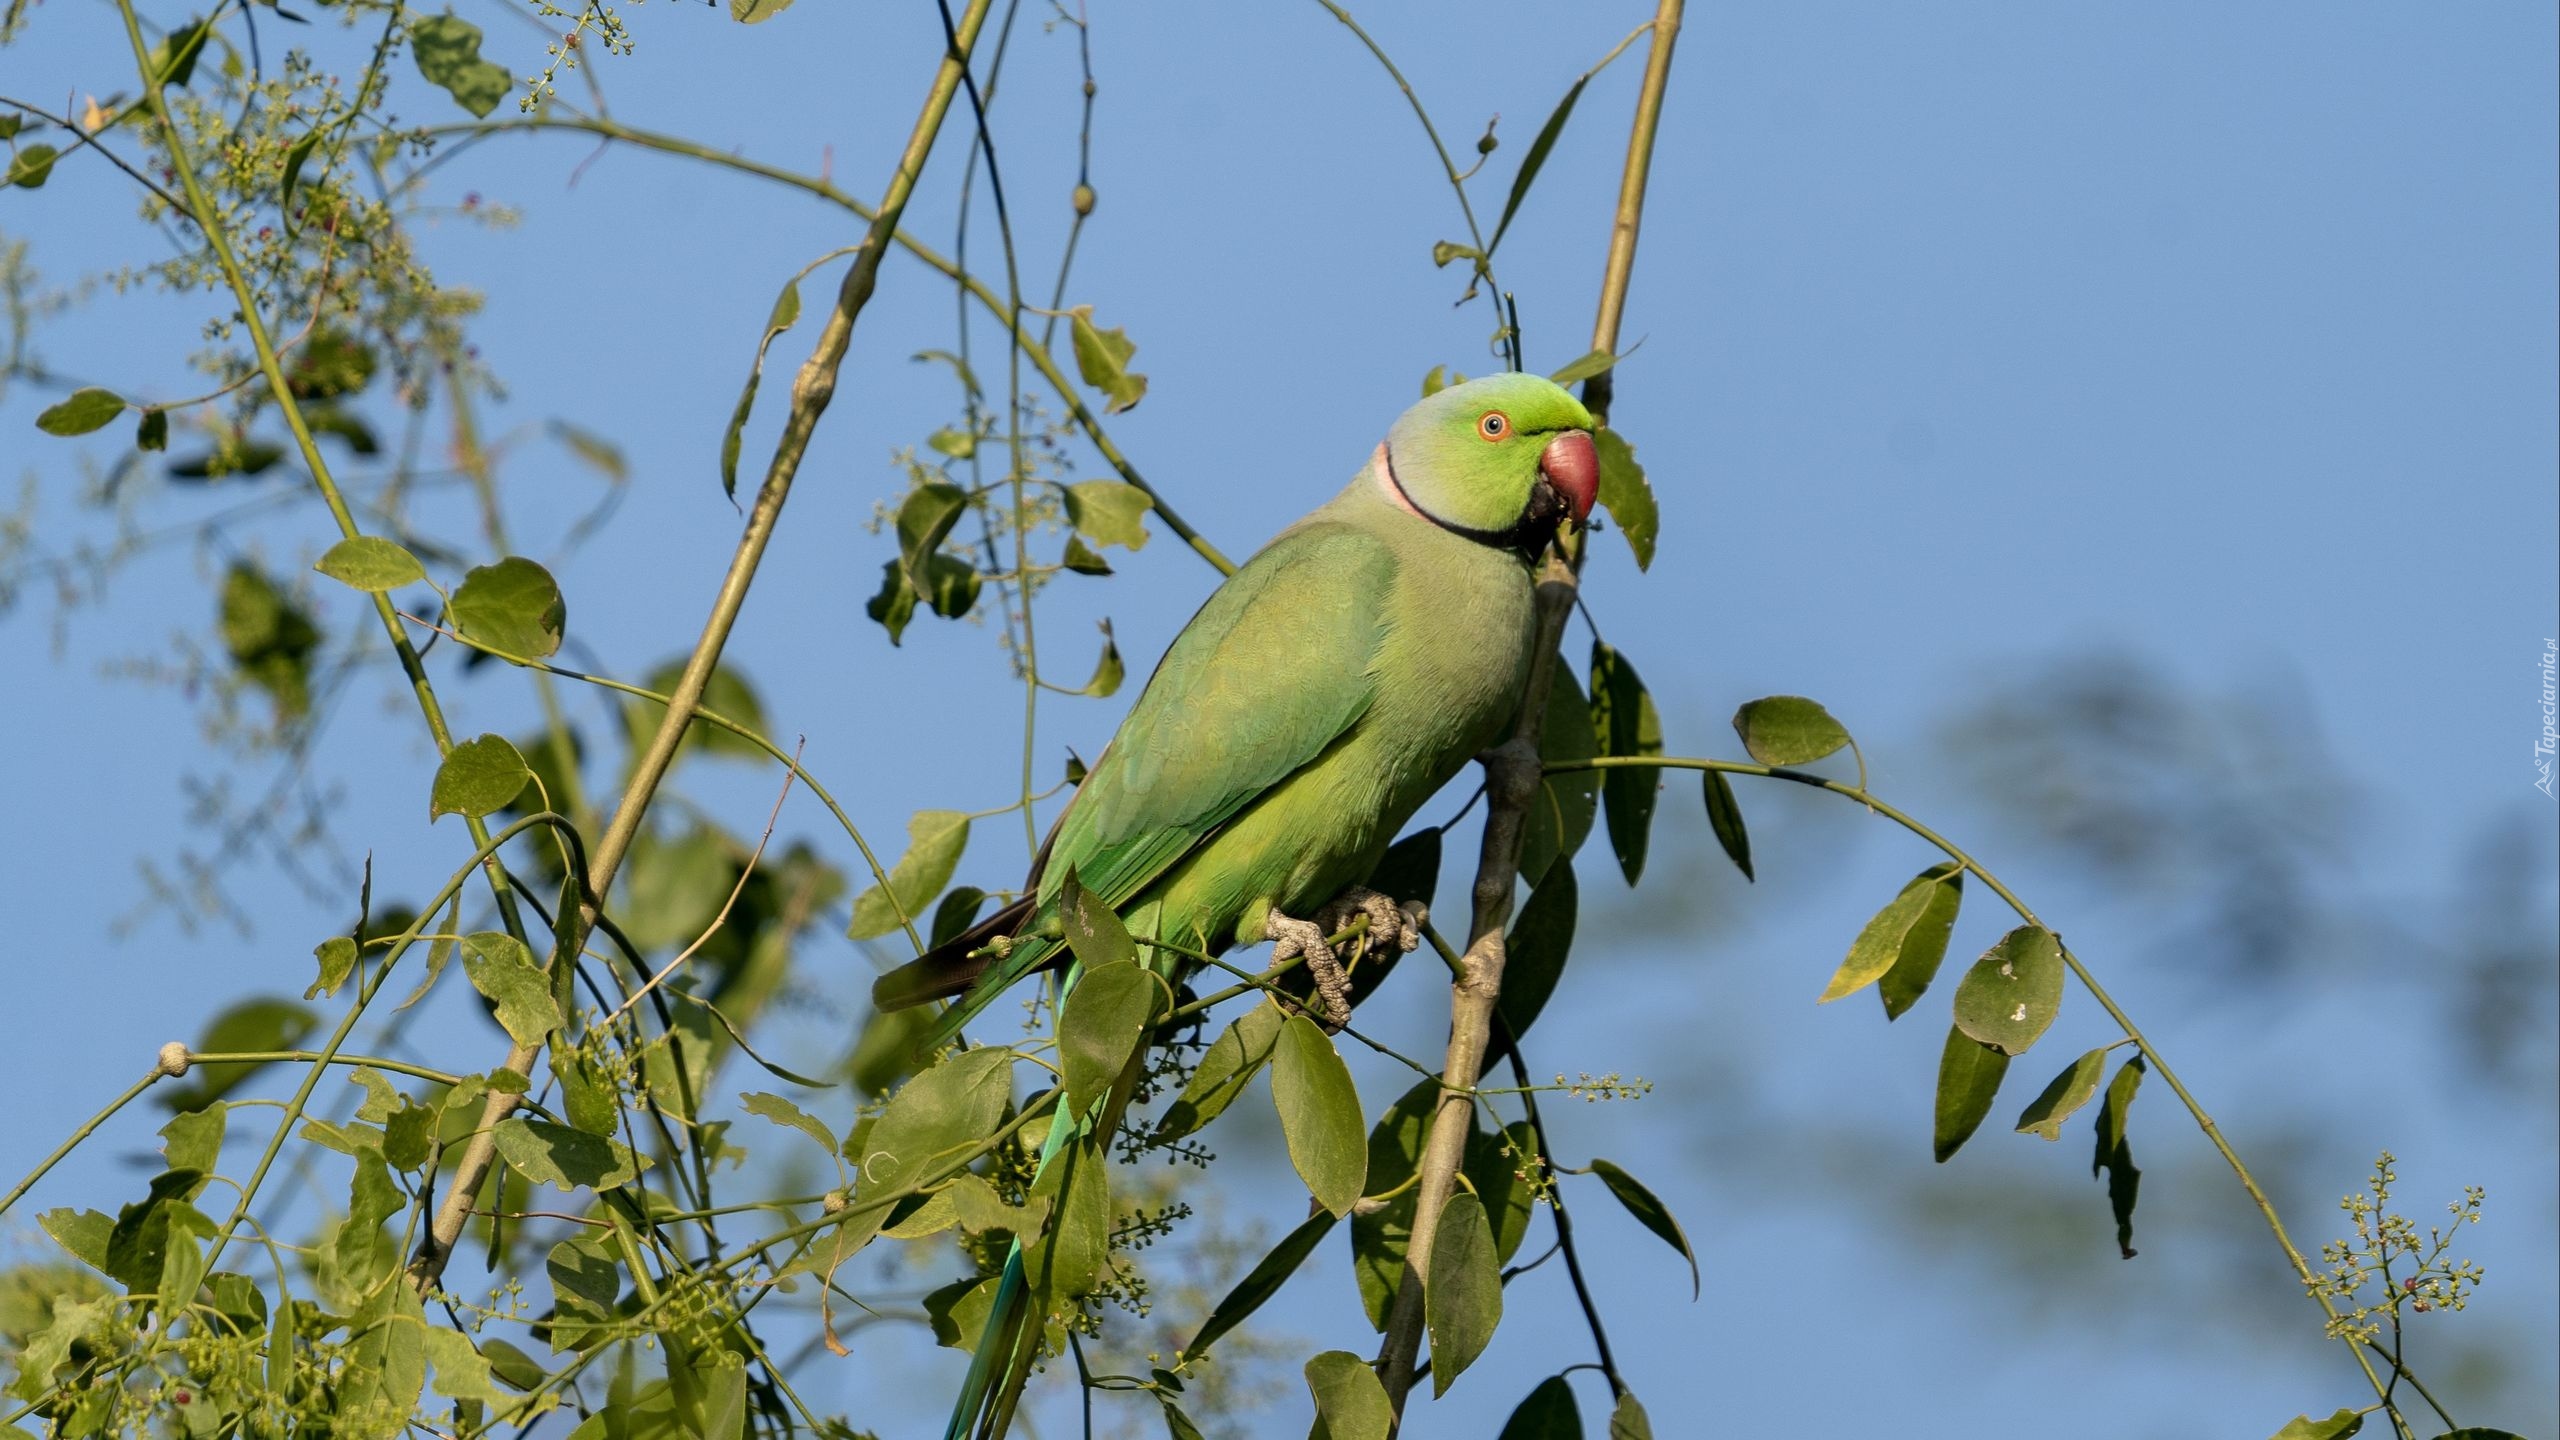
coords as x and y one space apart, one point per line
1323 693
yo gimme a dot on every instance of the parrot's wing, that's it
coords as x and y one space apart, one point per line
1276 666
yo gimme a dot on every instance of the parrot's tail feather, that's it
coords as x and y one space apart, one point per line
949 968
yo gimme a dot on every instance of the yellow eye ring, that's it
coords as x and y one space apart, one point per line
1494 425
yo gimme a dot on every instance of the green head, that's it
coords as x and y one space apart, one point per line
1502 460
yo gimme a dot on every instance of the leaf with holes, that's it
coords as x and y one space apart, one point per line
563 1157
1102 358
2013 992
1109 512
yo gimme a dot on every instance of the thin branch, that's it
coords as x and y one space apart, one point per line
1512 776
811 392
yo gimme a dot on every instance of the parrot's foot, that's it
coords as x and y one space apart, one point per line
1389 924
1294 938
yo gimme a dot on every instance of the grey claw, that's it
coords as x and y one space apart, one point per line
1294 938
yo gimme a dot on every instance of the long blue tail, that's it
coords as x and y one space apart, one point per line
1010 1286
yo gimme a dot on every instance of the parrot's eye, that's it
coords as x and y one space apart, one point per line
1494 425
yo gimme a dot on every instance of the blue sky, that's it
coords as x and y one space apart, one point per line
2216 338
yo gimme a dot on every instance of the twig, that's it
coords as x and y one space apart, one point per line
810 393
727 905
1512 775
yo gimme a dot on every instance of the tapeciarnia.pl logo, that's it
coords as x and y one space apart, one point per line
2543 747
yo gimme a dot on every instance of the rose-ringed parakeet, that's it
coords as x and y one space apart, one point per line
1323 693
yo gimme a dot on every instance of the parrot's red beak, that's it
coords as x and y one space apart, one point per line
1572 465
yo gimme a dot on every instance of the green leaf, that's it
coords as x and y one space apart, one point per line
1494 1173
337 957
1108 670
1067 1262
1081 558
234 455
1410 870
1107 1017
1548 1414
193 1141
958 1311
139 1240
2479 1432
953 441
371 564
2064 1095
1109 512
1093 931
1380 1234
1265 1280
561 1156
785 313
1177 1426
83 1233
152 431
599 454
1229 1064
260 1023
1787 730
756 12
2012 993
1724 816
85 409
2337 1427
1627 495
791 1117
1560 817
1319 1115
925 519
513 607
1924 945
586 1286
1908 935
950 1107
1651 1213
269 636
1536 157
294 159
1627 1420
330 364
1625 723
502 970
1350 1403
935 839
1584 368
1534 953
1444 251
727 695
385 1370
512 1366
478 777
1462 1296
461 1371
2115 1152
1439 378
448 53
29 168
957 912
1968 1080
1102 358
